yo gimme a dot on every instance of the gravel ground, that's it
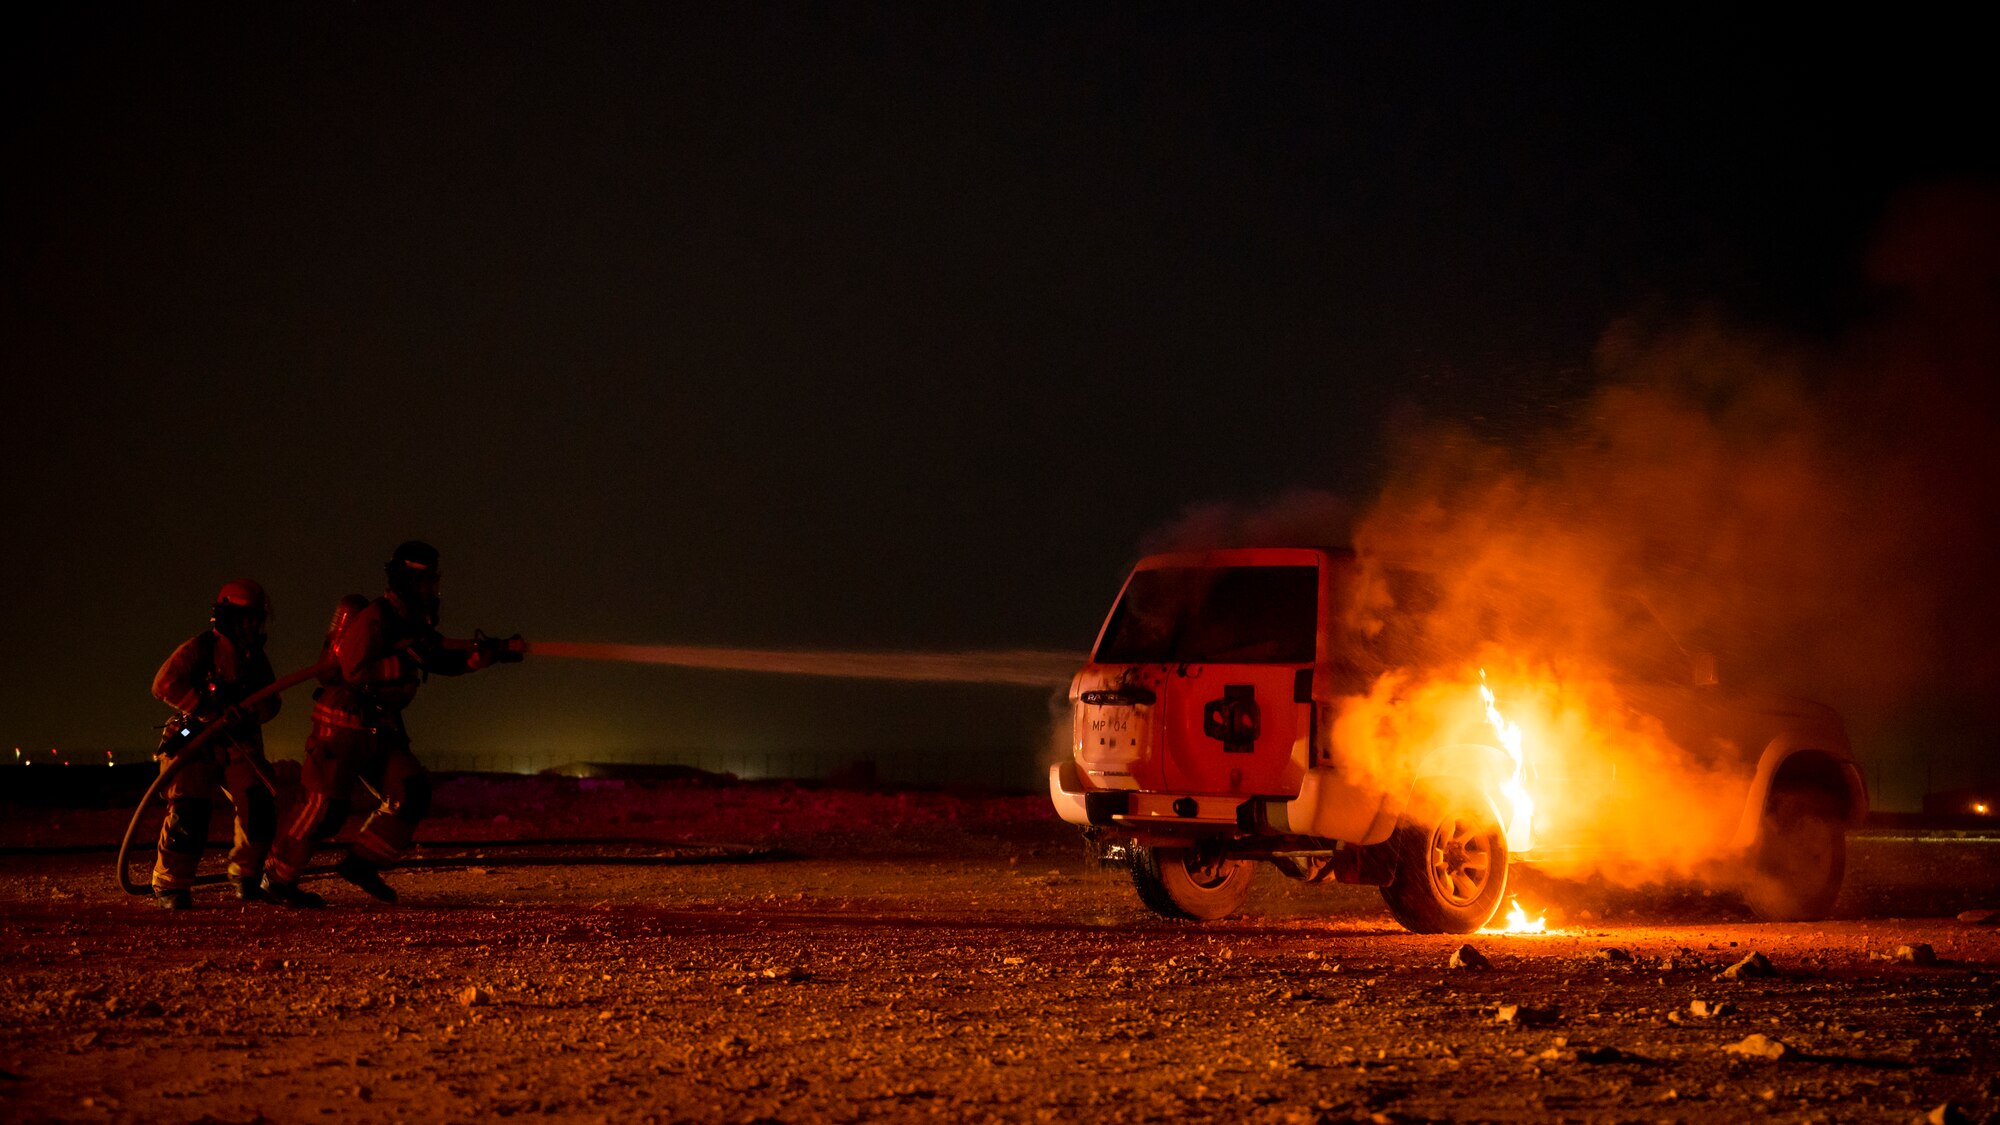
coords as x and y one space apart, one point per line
927 956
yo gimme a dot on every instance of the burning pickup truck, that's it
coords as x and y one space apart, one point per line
1208 739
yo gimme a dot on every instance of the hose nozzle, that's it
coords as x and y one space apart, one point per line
499 650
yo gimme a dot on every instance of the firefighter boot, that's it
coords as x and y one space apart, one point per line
250 889
367 876
289 894
173 900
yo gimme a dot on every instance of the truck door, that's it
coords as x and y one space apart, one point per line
1239 692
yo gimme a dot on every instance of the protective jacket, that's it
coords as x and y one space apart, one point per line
208 674
383 655
205 676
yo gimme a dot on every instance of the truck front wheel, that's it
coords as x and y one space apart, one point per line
1801 856
1196 883
1451 861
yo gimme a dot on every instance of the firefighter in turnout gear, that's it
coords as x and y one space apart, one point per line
204 680
382 652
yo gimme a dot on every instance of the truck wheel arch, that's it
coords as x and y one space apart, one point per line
1487 768
1786 765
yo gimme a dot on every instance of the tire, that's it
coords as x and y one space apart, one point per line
1801 858
1451 861
1192 884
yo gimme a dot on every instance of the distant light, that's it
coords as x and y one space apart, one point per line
1979 807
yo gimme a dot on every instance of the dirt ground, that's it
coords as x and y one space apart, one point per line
912 955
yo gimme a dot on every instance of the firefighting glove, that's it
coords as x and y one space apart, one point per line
179 735
488 651
173 737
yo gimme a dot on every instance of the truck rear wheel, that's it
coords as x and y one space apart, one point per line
1801 858
1451 861
1198 884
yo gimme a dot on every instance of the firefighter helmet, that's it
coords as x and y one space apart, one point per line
244 593
413 578
240 611
415 554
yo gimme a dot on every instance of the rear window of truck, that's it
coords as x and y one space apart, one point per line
1215 615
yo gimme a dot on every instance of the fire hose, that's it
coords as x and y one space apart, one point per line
501 648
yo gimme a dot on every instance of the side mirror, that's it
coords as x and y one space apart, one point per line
1701 668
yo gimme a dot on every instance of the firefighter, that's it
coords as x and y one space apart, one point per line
205 680
381 654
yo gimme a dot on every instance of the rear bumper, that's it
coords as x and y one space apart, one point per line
1173 812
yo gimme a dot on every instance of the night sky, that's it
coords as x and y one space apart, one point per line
849 326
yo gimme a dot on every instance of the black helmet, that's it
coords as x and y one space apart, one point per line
413 578
416 555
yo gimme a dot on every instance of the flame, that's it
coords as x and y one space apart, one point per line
1520 834
1519 923
1572 761
1521 831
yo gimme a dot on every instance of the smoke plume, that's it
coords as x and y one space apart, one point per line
1817 516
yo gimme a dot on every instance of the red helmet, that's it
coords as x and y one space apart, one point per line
244 594
240 611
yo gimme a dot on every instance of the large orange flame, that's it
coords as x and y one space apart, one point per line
1521 828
